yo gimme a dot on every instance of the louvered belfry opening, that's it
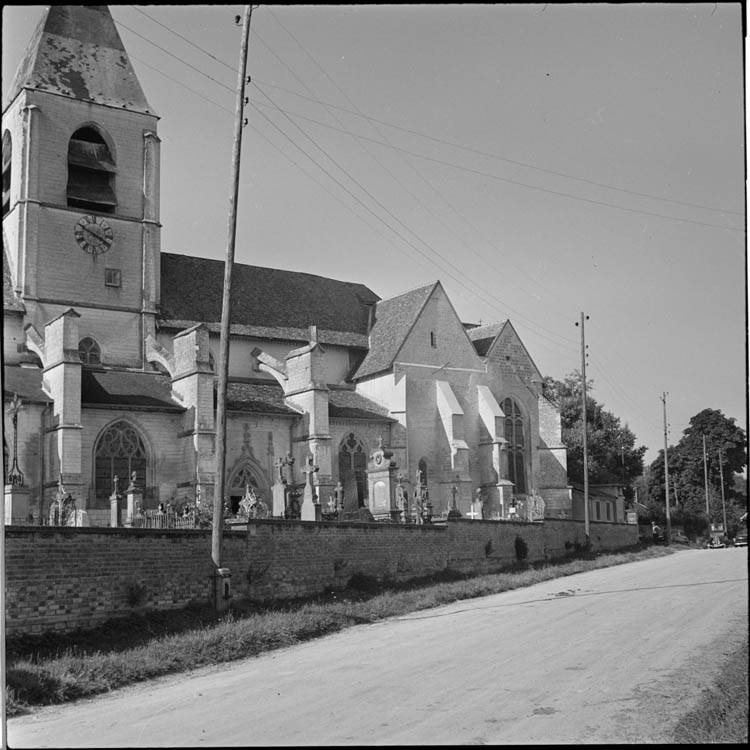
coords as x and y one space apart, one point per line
91 172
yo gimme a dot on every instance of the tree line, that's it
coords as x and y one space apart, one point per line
613 457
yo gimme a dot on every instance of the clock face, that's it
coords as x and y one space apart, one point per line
93 234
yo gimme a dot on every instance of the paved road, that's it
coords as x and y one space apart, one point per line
615 655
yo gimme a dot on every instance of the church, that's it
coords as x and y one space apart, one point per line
110 342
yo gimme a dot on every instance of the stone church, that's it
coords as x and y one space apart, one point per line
109 342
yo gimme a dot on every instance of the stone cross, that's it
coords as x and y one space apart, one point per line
309 470
472 513
454 492
280 463
308 496
15 475
338 495
289 463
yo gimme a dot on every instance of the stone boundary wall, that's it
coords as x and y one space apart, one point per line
66 578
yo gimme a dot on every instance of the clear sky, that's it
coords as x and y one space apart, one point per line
539 160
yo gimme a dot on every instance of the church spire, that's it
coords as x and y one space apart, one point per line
76 52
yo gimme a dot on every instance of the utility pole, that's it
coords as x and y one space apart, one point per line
705 484
723 504
221 590
586 521
668 536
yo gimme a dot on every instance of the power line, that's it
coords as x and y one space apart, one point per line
443 141
391 214
484 299
504 158
518 182
435 216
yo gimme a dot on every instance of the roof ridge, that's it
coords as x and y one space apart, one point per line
431 285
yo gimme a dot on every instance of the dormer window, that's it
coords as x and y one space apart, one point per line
89 352
91 172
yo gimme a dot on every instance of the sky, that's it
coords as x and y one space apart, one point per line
543 161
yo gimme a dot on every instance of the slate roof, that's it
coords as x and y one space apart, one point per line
352 405
130 389
76 51
262 398
258 398
394 318
483 336
26 382
264 300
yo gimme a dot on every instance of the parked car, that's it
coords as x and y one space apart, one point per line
715 543
740 539
678 537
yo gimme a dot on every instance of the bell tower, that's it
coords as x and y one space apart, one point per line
81 189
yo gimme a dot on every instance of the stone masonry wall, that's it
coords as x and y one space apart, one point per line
65 578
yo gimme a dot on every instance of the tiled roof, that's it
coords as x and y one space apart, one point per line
131 389
352 405
394 318
26 382
192 289
301 335
257 397
76 52
483 336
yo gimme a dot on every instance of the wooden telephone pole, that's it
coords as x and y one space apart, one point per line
668 534
222 574
705 484
586 520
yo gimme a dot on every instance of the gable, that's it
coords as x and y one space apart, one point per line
438 336
393 319
509 355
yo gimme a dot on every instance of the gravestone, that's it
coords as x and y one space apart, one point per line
309 511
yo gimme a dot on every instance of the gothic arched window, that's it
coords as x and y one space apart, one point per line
514 434
120 451
241 478
7 159
91 172
89 351
353 467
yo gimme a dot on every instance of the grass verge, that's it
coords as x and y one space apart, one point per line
57 668
722 714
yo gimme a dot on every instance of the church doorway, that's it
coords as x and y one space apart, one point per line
243 476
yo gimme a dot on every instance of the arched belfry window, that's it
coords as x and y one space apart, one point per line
91 172
89 351
7 159
353 468
514 434
120 451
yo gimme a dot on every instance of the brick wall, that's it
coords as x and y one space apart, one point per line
61 579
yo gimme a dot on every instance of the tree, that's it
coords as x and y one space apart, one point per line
612 456
690 480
